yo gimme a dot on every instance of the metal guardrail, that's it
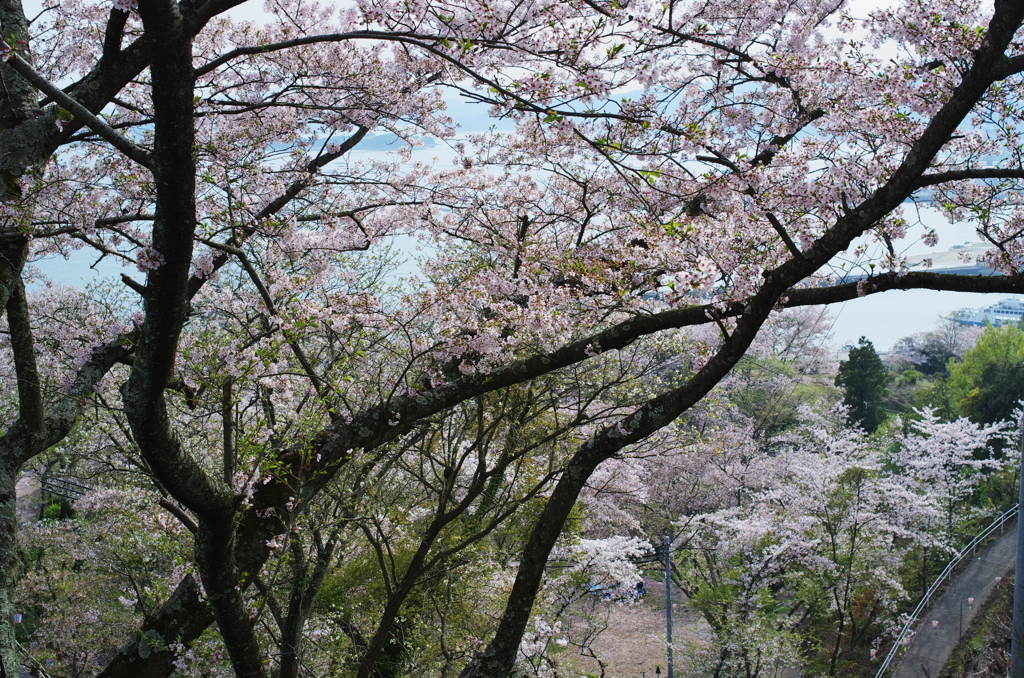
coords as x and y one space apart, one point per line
64 488
898 643
36 666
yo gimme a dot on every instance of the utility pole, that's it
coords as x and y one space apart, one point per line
1016 660
668 602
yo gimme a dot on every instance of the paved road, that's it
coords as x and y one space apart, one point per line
932 645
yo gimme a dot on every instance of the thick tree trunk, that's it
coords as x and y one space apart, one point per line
291 646
305 589
182 618
220 575
9 567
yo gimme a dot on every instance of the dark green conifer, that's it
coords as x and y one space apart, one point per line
863 378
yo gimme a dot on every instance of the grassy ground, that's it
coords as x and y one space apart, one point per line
633 642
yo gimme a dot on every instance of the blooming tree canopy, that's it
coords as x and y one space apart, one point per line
671 164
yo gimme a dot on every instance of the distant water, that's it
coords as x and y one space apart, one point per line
883 318
82 268
889 316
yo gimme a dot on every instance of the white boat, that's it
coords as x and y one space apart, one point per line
1006 311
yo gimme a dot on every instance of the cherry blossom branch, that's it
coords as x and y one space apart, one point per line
31 142
1009 66
96 124
183 616
983 173
498 657
763 158
134 285
887 197
414 39
198 13
75 230
781 230
60 417
414 408
279 203
176 511
355 211
777 142
268 301
946 282
116 21
311 40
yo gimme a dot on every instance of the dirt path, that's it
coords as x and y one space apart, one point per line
29 491
633 645
932 644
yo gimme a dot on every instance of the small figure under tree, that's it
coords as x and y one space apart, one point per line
864 379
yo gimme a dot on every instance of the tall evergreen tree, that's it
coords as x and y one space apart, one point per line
864 380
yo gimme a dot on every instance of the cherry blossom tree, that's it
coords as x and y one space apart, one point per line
809 565
90 581
930 352
949 460
717 154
